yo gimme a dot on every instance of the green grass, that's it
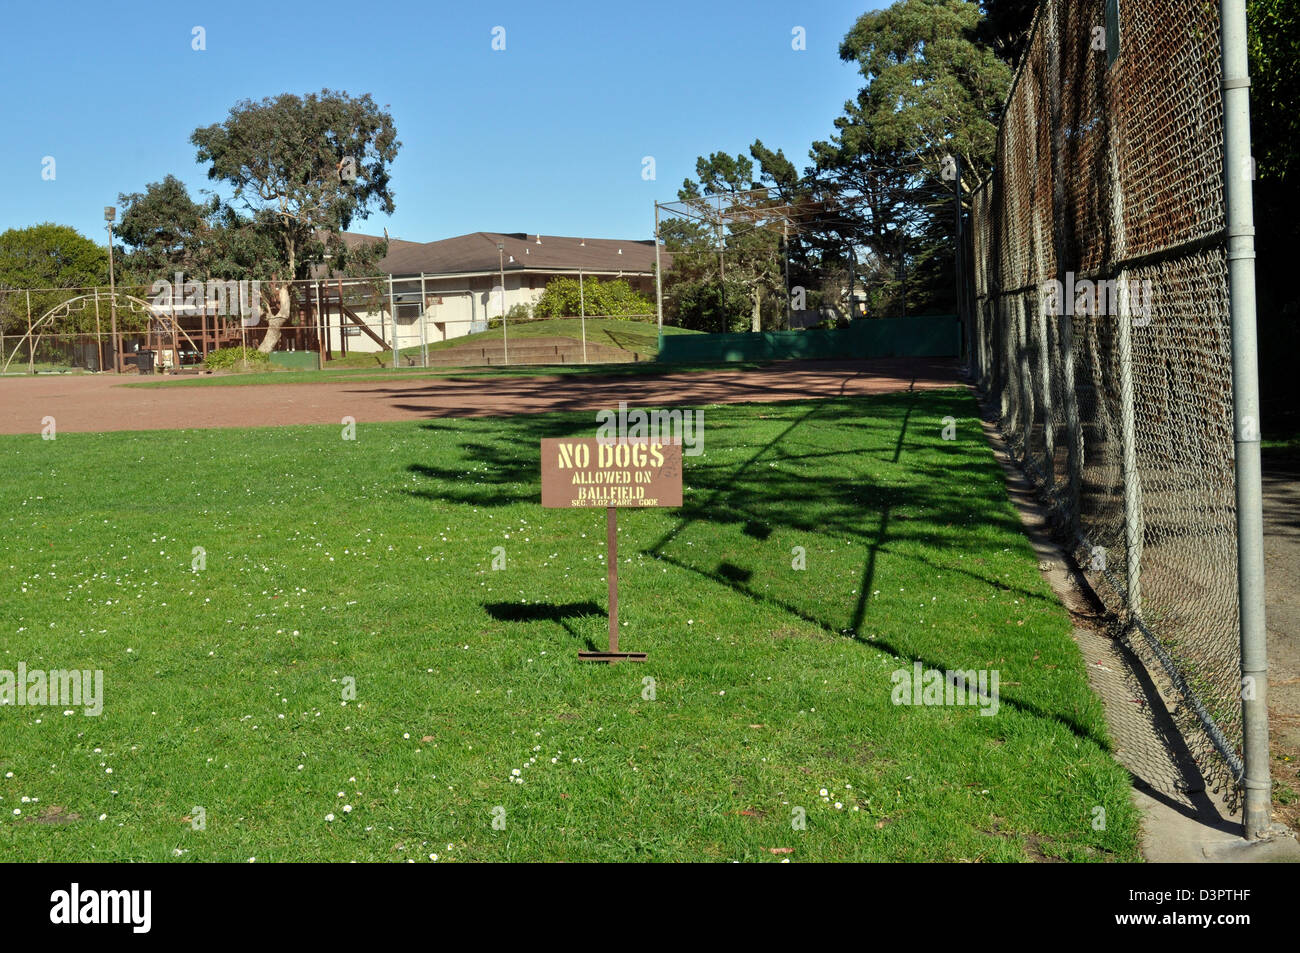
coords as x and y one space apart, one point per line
1281 451
371 559
23 369
643 369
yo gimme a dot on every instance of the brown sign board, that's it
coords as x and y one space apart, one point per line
588 471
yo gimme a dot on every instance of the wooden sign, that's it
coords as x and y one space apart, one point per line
586 471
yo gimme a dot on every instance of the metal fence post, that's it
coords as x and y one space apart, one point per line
1133 525
1237 176
1070 397
1045 372
31 347
392 310
99 337
959 267
582 310
659 289
1026 376
424 325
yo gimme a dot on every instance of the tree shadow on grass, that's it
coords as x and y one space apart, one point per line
737 578
893 504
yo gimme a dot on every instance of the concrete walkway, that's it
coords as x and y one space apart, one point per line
1183 822
1282 613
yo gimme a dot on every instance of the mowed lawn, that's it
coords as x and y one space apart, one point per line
766 697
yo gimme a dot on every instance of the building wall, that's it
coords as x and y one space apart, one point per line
466 303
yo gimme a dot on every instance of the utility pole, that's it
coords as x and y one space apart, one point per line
958 255
505 336
659 288
582 311
722 276
785 248
110 214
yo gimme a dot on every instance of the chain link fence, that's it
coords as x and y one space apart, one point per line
1102 333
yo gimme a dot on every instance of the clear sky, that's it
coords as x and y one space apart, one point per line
547 135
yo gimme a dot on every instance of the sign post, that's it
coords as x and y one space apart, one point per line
590 472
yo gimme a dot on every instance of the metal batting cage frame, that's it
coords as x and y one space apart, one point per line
835 221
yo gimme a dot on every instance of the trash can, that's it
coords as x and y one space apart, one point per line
144 361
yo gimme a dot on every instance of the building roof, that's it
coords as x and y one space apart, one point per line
477 253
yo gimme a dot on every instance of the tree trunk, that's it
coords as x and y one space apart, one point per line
756 321
276 321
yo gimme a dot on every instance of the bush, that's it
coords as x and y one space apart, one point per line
516 314
563 298
237 359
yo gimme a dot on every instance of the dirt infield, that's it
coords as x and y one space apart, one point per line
95 403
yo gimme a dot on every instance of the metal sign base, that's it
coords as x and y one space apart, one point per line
612 657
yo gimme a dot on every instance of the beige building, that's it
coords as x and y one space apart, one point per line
449 288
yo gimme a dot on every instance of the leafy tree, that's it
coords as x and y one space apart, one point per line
166 231
50 256
1274 44
1275 88
932 90
53 257
1005 28
301 169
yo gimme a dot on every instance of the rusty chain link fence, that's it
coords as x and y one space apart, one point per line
1102 336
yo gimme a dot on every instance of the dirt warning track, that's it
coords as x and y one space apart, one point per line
86 403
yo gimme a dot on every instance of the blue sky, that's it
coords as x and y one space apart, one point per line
547 135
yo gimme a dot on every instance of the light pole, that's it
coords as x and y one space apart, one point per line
505 337
110 213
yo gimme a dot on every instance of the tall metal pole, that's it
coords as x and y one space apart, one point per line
902 254
505 336
582 310
1134 525
959 262
392 310
176 349
785 247
110 213
424 327
659 287
321 331
343 333
99 337
722 275
1237 176
31 344
1069 394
